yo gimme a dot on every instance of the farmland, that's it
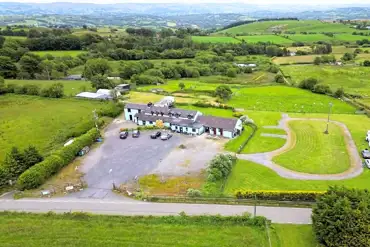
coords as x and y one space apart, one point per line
42 122
286 99
313 151
309 38
214 39
265 38
71 88
290 25
41 230
352 78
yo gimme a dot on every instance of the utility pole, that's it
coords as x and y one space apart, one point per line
255 206
327 123
113 184
96 118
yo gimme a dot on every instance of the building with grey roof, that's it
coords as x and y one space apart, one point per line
183 121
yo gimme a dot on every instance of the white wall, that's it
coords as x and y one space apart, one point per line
239 125
132 113
228 134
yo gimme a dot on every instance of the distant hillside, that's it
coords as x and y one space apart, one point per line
291 26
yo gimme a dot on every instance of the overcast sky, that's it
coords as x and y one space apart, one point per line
263 2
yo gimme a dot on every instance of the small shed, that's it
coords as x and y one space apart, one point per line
88 95
123 87
73 78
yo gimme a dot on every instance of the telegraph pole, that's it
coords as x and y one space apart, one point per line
96 118
327 123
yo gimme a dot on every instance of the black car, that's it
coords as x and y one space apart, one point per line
365 154
135 133
155 135
123 134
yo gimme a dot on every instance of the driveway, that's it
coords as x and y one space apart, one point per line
125 158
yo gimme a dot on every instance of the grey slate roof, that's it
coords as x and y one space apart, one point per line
165 110
218 122
172 120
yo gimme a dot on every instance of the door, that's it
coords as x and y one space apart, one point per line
221 132
130 117
214 131
180 129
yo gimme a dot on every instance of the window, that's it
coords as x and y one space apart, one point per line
129 110
139 111
194 130
151 122
144 122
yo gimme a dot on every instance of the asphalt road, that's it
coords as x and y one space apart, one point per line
125 158
131 207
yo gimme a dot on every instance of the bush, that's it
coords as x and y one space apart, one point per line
193 193
309 83
341 217
322 89
273 69
279 79
237 114
4 177
146 80
220 167
39 173
339 93
308 196
32 89
231 73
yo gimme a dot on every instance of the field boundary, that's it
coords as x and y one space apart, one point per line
265 159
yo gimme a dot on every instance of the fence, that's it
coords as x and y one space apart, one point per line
254 127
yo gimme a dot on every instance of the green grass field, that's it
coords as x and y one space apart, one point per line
314 151
297 26
247 175
309 38
343 49
265 38
71 88
286 99
43 122
214 39
349 37
15 37
352 78
21 229
59 53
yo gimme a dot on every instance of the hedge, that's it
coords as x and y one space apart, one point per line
39 173
308 196
254 127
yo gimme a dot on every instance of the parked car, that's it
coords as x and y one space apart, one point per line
166 136
135 133
155 135
123 134
368 136
367 163
366 153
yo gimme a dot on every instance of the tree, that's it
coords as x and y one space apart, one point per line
2 85
54 91
339 93
96 66
47 67
308 83
181 85
317 61
347 57
2 41
367 63
321 89
31 157
231 72
341 217
223 92
14 163
8 69
279 79
101 82
30 63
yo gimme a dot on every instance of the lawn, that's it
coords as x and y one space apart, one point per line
343 49
349 37
276 39
80 230
297 26
71 88
214 39
286 99
293 235
59 53
251 176
261 144
353 79
15 38
43 122
313 151
295 59
234 144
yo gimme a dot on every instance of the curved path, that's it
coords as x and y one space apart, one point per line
265 159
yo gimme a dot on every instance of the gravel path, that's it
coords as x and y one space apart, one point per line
265 159
274 135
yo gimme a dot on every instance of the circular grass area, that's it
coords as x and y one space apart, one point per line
313 151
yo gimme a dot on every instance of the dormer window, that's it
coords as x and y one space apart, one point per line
152 112
162 113
190 116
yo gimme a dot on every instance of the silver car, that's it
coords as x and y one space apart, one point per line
367 163
166 136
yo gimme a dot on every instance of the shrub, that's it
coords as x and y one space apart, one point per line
237 114
279 79
322 89
308 196
366 63
39 173
220 167
4 176
193 193
231 72
308 83
32 89
273 69
341 217
339 93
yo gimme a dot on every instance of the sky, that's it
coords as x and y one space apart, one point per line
260 2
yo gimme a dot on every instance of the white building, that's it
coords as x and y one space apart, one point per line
183 121
89 95
242 65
